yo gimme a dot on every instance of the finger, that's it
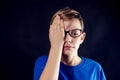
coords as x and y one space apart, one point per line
58 20
55 21
52 26
61 25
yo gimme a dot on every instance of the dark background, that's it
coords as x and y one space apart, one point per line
24 26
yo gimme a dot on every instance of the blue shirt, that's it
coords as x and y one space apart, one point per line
87 70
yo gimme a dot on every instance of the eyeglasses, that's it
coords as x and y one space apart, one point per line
74 33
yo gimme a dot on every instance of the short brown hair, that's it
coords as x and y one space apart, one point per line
67 13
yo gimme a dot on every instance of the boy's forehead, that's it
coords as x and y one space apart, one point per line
72 24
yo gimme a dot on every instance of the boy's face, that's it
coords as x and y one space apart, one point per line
71 44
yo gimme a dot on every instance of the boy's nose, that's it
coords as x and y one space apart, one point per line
68 38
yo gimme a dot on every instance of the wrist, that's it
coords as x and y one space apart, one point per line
56 47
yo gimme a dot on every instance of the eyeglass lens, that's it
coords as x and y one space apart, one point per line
74 33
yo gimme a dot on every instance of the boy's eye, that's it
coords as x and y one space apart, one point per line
74 33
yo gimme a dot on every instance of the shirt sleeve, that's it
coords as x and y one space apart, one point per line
102 75
39 66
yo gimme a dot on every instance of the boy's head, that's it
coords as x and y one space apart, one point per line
68 14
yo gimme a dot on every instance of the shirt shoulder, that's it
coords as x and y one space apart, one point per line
39 66
91 63
42 59
95 69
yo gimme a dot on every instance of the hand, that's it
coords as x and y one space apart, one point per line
56 32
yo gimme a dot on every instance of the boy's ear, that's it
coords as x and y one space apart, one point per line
82 38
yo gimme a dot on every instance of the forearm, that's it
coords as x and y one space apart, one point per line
51 69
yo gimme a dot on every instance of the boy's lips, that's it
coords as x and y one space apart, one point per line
68 47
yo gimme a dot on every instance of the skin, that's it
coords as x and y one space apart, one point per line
71 45
62 49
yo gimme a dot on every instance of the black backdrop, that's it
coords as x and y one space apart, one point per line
24 26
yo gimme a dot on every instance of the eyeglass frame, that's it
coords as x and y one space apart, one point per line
81 31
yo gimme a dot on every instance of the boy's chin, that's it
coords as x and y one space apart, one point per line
67 52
